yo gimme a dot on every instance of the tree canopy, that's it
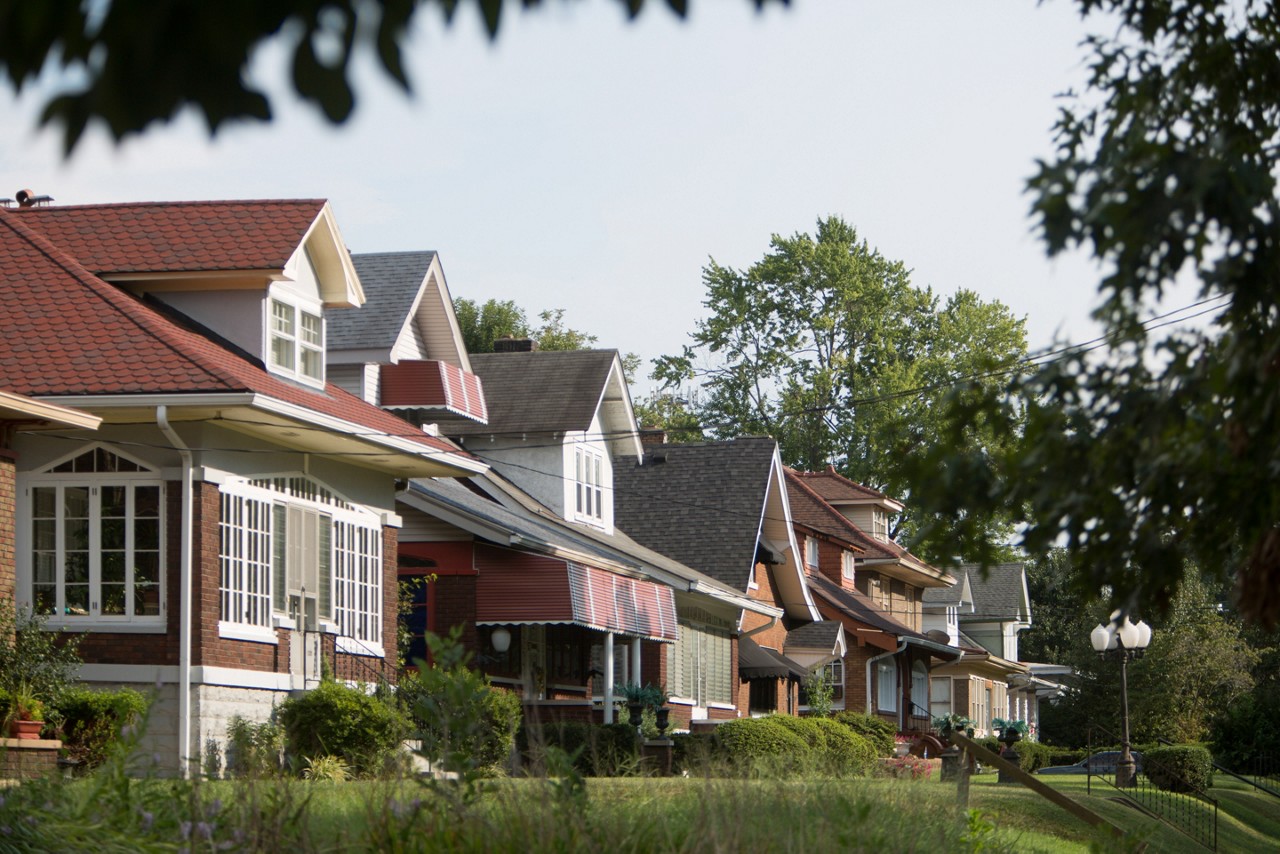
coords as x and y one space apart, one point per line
827 346
129 63
482 325
1162 445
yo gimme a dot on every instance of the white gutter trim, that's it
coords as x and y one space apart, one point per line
185 583
108 401
735 599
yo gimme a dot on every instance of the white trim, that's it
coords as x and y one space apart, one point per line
282 621
351 646
16 404
159 627
237 631
167 674
712 705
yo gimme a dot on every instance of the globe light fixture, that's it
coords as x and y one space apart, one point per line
501 639
1124 640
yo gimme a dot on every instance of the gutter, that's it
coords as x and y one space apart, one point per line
185 584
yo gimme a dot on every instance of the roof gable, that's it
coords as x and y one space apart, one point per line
1001 594
837 490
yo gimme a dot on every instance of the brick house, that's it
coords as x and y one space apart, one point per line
233 518
874 587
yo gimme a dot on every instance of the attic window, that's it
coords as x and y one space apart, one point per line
297 341
879 524
589 484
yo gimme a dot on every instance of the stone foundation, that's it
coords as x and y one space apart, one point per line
28 758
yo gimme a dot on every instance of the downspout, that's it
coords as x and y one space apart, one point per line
184 600
872 660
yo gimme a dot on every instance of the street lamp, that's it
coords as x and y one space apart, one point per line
1124 641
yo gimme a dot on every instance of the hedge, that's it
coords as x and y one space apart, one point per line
879 732
807 728
1179 768
847 752
91 721
607 750
747 741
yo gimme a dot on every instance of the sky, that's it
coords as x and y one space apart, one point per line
590 164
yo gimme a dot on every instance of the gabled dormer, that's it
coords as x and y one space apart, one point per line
557 422
871 510
258 274
403 349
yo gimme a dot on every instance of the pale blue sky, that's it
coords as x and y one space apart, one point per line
593 165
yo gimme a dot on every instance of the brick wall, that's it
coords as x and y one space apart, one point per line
455 604
8 524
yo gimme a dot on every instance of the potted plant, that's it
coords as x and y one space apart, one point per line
26 714
660 710
947 724
1011 732
635 696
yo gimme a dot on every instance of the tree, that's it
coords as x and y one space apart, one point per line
1161 446
132 62
482 325
826 345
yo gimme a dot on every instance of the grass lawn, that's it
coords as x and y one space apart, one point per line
615 815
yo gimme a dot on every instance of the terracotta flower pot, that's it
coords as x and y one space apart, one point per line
26 729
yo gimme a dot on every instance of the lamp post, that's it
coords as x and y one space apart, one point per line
1123 641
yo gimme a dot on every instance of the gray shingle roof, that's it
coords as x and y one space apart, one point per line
391 283
946 595
539 392
700 504
1002 594
819 635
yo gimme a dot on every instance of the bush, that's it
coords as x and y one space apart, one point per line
879 732
807 728
692 753
747 742
1032 756
608 750
1246 730
457 712
254 749
34 661
334 720
1180 768
90 721
847 752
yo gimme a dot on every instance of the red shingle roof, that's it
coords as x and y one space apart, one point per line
176 236
63 331
833 486
809 508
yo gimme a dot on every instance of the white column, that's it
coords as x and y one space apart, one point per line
608 677
635 662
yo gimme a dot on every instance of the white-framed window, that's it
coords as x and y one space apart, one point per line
847 568
96 529
887 686
297 340
700 667
811 553
919 689
833 676
289 546
589 483
879 524
940 696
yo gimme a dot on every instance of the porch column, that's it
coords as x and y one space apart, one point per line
608 677
635 662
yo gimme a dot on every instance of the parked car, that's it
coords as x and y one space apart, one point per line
1103 762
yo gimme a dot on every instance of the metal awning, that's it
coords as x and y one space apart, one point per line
537 590
758 662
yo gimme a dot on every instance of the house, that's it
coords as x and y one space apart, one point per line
553 600
721 508
862 579
232 522
983 614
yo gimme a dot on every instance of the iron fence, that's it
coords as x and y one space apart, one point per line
1193 813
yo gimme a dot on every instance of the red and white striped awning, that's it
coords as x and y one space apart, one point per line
517 588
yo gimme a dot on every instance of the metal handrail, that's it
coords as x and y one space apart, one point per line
1194 814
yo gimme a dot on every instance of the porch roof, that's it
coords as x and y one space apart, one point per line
759 662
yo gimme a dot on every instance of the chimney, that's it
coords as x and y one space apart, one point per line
514 345
27 199
650 436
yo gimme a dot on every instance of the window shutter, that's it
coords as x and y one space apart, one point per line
324 585
279 558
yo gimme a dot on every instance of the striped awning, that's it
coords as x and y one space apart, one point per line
515 588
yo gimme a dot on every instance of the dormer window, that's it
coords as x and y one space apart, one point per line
297 341
879 524
847 571
811 553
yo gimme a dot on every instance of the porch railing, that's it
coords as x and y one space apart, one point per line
1192 813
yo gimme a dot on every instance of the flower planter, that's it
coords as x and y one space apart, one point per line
26 729
664 720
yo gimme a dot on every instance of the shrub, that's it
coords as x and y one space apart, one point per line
807 728
879 732
748 742
846 751
1032 756
255 749
90 721
34 661
340 721
692 753
326 769
1247 730
1180 768
608 750
908 767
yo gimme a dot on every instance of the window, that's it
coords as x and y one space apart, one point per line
297 340
919 689
289 546
879 524
701 665
887 686
847 568
589 470
762 695
97 537
833 675
940 696
811 553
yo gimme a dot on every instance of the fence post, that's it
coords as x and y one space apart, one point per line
962 787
